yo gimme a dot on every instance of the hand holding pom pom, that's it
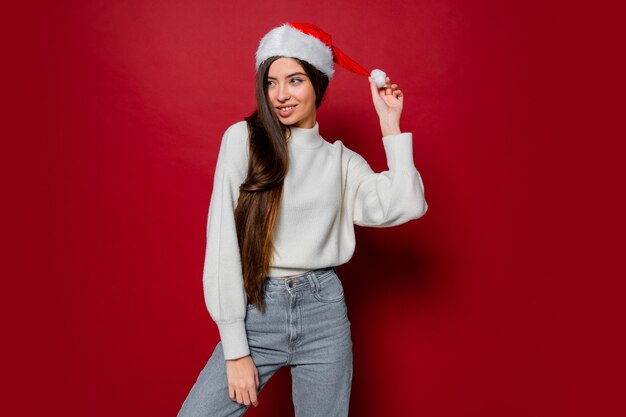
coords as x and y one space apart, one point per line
388 100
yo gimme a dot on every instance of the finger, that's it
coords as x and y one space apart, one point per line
387 86
239 396
373 86
246 398
231 393
253 397
258 384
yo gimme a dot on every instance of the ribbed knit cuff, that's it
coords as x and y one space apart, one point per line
399 150
234 339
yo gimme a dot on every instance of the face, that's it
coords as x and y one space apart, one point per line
291 93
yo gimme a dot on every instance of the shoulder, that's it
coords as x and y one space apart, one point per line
237 132
234 146
348 156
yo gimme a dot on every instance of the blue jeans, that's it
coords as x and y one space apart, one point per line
305 325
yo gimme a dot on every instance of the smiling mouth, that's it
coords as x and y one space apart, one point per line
286 108
286 111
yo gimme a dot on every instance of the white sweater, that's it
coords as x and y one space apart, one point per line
328 189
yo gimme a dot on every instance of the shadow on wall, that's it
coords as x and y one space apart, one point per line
395 259
396 270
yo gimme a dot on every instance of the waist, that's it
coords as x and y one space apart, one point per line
281 283
288 276
287 272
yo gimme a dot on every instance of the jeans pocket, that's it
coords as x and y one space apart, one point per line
330 290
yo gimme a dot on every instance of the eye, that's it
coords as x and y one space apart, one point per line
270 82
296 80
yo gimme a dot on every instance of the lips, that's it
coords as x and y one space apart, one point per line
286 111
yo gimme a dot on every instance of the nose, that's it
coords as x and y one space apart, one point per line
283 93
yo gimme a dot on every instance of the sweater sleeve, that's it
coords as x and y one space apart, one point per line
224 292
391 197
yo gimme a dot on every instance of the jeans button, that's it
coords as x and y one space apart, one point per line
290 284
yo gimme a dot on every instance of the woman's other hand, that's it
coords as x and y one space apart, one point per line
243 380
388 104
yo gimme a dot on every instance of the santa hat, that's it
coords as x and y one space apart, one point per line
312 44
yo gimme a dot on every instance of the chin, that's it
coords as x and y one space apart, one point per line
288 122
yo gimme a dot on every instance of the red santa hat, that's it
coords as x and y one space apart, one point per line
309 43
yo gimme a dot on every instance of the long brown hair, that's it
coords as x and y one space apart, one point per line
261 192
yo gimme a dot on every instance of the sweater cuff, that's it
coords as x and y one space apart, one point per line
234 339
399 150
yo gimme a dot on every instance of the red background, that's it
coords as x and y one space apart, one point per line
489 305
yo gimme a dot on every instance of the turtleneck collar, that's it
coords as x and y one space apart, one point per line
306 137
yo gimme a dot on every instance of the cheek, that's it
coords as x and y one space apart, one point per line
311 97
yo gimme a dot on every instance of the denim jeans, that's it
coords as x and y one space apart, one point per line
305 325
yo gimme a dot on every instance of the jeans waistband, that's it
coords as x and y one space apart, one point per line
313 277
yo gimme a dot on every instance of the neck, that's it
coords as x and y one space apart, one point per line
305 137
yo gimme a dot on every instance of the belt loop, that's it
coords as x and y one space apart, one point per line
313 281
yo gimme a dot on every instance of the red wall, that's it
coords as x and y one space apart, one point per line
460 313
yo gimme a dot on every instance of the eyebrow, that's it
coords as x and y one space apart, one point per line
290 75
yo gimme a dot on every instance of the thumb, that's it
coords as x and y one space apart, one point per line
373 88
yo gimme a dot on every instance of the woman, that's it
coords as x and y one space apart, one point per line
282 216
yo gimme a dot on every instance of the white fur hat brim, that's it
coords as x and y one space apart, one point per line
288 41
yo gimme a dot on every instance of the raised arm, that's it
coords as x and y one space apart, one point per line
395 196
388 102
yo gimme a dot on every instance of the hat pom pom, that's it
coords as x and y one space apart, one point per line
380 78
